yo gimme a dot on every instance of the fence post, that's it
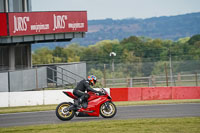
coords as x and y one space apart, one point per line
8 88
153 80
179 78
196 78
8 81
150 81
36 72
104 75
166 73
53 78
62 78
127 81
131 82
102 82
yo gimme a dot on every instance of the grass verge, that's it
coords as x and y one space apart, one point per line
128 103
151 125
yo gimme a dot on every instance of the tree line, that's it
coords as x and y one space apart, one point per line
135 56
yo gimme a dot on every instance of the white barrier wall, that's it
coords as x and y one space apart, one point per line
8 99
26 98
4 99
29 98
56 97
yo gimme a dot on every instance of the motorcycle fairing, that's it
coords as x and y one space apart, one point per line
94 103
70 94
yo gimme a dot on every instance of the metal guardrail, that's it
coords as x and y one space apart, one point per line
62 78
70 72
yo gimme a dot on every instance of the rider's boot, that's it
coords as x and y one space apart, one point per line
78 102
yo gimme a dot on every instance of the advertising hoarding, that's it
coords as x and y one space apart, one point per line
31 23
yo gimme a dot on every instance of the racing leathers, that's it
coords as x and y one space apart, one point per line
81 88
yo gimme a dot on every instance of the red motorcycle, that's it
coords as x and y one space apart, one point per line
95 105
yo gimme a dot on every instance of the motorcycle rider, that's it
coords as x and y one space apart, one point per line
82 87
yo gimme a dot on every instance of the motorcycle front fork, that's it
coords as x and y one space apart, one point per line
107 107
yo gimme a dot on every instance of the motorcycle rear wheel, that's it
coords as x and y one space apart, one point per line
104 112
61 112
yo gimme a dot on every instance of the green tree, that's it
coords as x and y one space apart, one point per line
72 52
42 56
59 55
194 39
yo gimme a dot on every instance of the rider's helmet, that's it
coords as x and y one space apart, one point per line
92 79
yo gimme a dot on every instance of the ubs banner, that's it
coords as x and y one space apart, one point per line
46 22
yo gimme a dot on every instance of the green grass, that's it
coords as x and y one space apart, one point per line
129 103
27 108
151 125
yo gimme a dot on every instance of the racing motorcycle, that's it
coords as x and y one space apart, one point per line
95 105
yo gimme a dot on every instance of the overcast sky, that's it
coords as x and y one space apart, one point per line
120 9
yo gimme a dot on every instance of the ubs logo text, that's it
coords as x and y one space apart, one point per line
20 23
59 21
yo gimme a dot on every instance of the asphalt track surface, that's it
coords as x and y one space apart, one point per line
127 112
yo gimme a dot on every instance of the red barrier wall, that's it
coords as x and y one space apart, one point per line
154 93
134 94
119 94
186 92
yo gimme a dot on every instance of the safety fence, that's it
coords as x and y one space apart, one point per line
145 73
153 80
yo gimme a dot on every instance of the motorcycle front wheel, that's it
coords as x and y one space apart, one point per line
63 113
108 112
